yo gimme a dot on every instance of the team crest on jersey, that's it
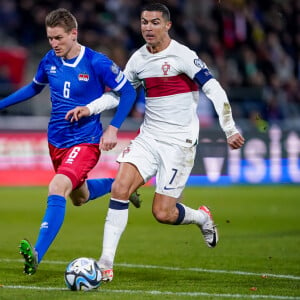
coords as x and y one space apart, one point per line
83 77
166 68
199 63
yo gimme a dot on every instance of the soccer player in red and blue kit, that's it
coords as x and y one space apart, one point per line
76 75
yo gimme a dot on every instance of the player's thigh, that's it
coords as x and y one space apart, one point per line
142 154
78 162
176 163
128 180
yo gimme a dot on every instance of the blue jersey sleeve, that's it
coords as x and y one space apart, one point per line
113 77
41 76
127 98
26 92
108 72
29 90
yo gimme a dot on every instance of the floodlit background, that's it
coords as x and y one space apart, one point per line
251 47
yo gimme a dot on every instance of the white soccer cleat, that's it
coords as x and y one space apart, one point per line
107 275
209 229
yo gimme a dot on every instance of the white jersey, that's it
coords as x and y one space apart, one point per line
171 94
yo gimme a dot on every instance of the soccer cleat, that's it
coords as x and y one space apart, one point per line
30 257
135 199
208 229
107 275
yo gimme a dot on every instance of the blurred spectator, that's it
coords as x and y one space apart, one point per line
249 45
6 85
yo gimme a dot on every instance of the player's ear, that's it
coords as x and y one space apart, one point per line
74 33
168 25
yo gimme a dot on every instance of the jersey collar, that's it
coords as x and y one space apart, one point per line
77 60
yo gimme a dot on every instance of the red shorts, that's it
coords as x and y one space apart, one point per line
75 162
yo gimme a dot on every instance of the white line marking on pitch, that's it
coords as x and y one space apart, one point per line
209 271
284 276
191 294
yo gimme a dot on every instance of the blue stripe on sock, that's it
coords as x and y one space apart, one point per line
181 214
118 205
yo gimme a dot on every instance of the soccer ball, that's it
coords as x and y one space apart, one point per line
83 274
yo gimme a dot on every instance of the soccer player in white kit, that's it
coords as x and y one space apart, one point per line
171 75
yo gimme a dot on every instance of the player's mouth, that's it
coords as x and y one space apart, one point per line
149 37
58 51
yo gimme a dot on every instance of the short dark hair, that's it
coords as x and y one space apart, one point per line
158 7
61 17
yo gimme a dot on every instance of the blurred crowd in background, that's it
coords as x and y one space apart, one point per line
251 46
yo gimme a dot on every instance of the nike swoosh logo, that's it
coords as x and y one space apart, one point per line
168 188
214 241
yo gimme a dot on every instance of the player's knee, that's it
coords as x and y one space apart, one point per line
163 216
79 196
78 201
60 185
120 190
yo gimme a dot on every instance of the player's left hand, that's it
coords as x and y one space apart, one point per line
109 138
235 141
77 113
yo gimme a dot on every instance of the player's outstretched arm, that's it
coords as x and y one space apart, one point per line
24 93
127 97
106 101
217 95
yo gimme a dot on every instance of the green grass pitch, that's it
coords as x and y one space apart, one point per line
258 255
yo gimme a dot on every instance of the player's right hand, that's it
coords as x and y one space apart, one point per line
77 113
109 138
235 141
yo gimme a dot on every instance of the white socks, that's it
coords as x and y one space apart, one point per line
115 224
193 216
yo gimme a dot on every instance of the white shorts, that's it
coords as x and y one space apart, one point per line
170 163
